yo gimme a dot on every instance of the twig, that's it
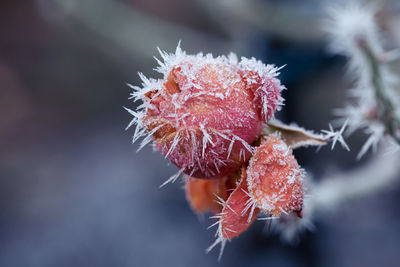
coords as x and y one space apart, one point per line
386 107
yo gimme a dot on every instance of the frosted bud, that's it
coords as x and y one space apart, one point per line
206 112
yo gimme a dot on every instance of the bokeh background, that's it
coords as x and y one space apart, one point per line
73 191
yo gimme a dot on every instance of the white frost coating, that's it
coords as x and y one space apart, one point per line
282 147
292 176
268 74
219 234
250 204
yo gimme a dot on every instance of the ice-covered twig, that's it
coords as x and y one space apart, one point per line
375 109
295 136
386 108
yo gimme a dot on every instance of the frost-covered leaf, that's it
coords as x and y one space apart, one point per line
293 135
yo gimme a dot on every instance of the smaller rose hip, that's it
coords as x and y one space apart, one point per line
275 178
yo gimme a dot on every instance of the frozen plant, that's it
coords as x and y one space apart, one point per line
354 33
213 117
205 112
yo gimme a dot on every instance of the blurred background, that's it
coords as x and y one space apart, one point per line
73 191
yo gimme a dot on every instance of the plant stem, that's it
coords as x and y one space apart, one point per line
386 107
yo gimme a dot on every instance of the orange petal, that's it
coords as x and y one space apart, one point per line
201 194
